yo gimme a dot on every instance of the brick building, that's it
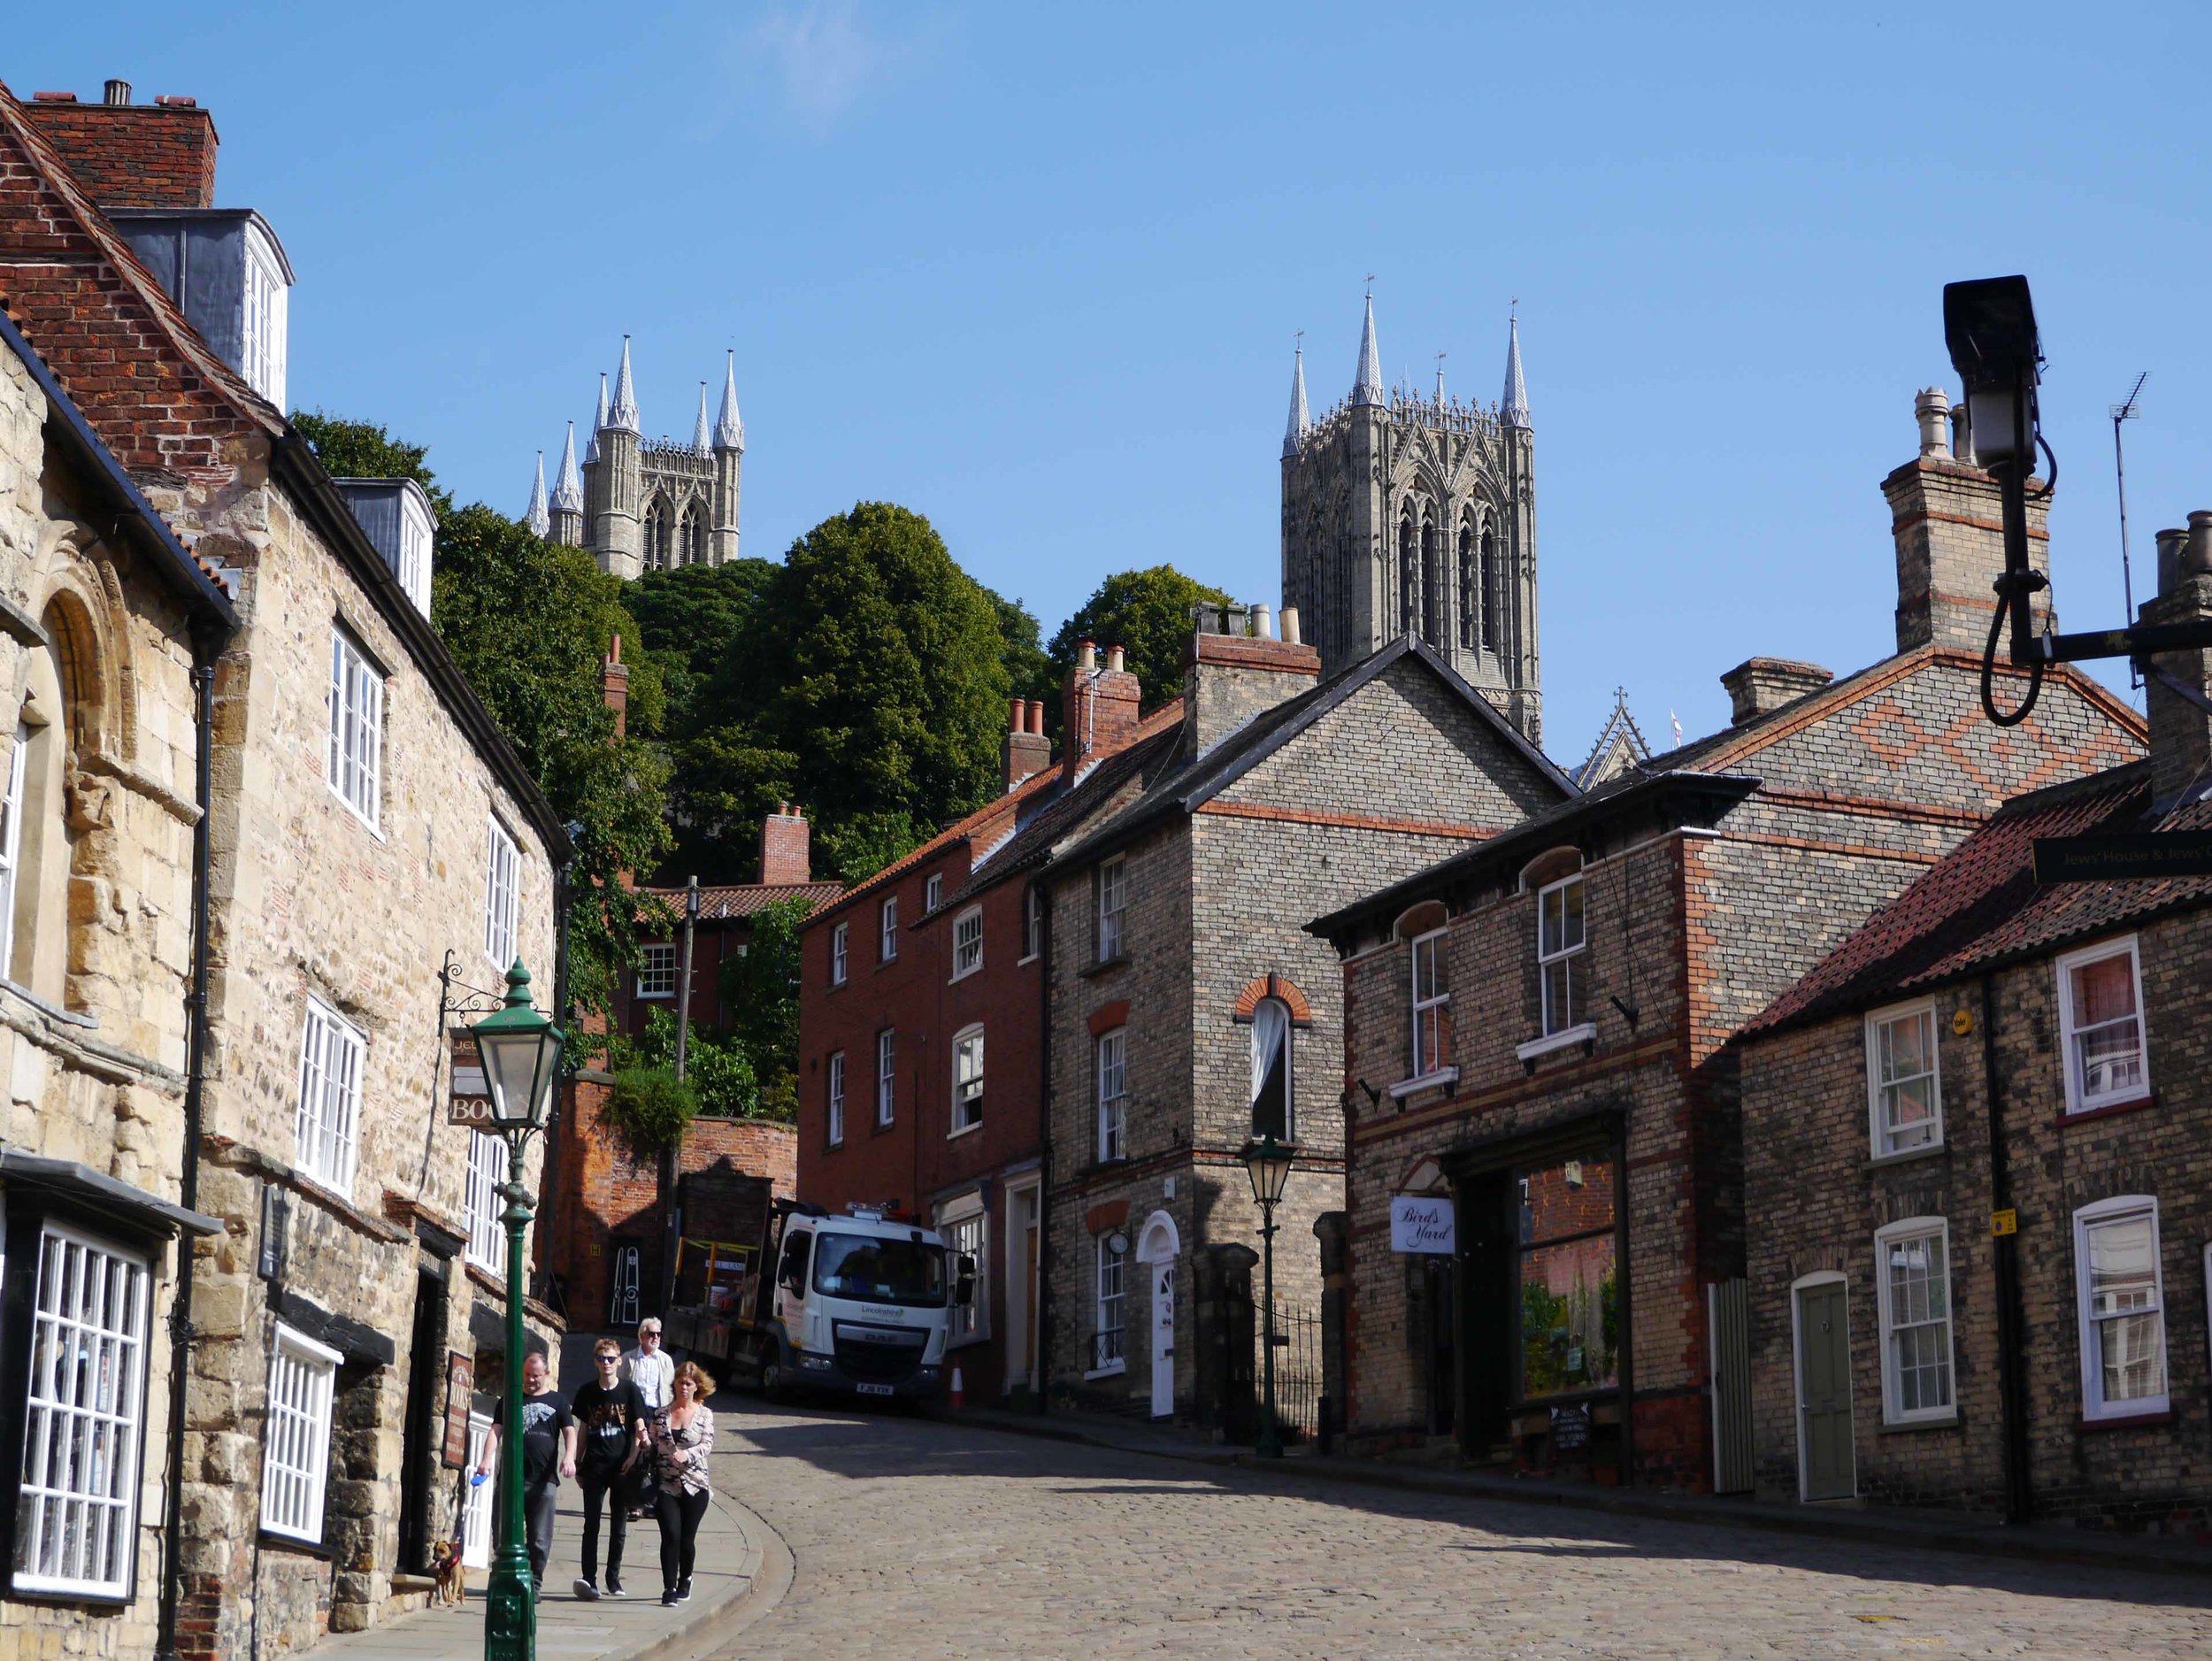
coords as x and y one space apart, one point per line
1536 1027
365 824
1987 1047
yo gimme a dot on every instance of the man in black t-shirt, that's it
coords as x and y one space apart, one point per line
549 1454
610 1423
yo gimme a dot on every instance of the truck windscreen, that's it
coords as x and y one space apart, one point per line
889 1270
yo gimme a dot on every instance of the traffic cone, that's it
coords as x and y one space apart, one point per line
957 1400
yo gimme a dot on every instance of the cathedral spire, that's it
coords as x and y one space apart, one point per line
700 440
568 489
535 516
1513 411
622 415
1295 433
1368 388
729 431
591 447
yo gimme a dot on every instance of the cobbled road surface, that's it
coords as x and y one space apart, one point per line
916 1539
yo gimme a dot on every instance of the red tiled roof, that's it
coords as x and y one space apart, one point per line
743 899
1981 905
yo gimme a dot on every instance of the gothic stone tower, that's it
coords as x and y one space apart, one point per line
1409 515
646 504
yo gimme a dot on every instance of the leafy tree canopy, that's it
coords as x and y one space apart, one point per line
716 1065
696 619
362 450
1148 614
649 1108
761 989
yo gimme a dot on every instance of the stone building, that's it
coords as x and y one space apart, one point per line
647 505
1537 1028
366 828
1408 515
1976 1179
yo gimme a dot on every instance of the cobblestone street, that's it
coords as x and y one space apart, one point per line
927 1540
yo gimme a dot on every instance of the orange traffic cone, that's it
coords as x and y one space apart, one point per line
957 1400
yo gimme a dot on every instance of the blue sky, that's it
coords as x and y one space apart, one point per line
1034 271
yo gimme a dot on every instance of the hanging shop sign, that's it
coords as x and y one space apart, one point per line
1421 1223
470 1103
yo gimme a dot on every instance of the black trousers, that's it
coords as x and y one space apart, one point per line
537 1522
608 1484
680 1514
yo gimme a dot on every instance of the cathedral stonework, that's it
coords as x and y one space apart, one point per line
1404 514
641 505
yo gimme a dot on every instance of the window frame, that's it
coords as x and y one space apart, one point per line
1564 956
337 1177
1103 1256
967 1103
1438 940
650 962
887 930
1032 922
344 771
1886 1324
1110 1118
840 941
129 1410
1879 1131
318 1365
503 924
834 1097
933 891
1112 911
2077 1100
887 1077
264 345
11 843
1290 1064
2102 1213
967 955
970 1323
482 1208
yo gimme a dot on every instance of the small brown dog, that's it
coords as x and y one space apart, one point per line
445 1562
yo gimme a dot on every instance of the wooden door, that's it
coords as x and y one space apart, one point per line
1824 1377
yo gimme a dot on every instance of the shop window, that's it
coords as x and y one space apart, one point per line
1569 1289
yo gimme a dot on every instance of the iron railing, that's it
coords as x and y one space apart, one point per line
1298 1381
1105 1349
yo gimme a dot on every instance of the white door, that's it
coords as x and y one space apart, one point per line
476 1513
1164 1339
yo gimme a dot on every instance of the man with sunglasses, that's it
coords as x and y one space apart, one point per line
653 1370
612 1424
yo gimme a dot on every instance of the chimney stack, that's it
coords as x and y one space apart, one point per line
2181 724
1025 749
1290 626
1098 709
786 860
1947 520
116 92
614 685
1232 671
1760 685
159 155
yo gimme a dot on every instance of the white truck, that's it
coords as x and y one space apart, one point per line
860 1302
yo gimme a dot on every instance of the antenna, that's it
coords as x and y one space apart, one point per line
2122 413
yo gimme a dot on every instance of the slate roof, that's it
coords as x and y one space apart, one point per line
1981 906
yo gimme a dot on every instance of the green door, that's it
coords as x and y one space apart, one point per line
1824 1375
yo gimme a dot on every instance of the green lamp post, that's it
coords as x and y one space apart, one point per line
520 1050
1267 1162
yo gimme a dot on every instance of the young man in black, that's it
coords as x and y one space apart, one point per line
549 1454
610 1421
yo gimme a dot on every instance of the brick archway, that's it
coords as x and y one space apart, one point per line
1271 985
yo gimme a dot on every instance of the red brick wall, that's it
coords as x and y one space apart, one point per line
135 156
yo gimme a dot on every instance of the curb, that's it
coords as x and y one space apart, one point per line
2129 1554
711 1629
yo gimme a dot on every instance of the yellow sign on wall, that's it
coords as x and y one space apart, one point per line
2004 1222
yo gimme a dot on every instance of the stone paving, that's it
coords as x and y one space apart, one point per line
921 1539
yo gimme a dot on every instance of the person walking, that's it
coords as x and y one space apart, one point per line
613 1429
549 1454
653 1370
683 1437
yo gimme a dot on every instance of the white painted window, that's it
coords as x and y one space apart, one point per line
502 872
888 936
11 841
657 971
1113 1093
1904 1093
836 1098
967 941
2100 1013
966 1237
84 1411
296 1438
1559 941
327 1124
267 305
2122 1303
1106 1347
933 891
1432 1003
1033 924
1113 905
418 533
839 937
485 1209
476 1509
356 726
887 1075
1912 1273
967 1080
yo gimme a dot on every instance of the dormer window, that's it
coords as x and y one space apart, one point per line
227 273
268 286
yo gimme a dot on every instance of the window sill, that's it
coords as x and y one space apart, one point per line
1585 1034
1105 966
835 1144
645 997
2126 1421
1908 1156
963 1130
1934 1421
1436 1080
1023 963
373 829
964 974
1119 1369
272 1538
2107 1110
837 986
891 962
55 1011
882 1125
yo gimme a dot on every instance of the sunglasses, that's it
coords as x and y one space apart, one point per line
654 1332
608 1361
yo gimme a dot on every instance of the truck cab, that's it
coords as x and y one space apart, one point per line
860 1302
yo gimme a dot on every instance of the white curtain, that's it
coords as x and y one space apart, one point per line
1271 1068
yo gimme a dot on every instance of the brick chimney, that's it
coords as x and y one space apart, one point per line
1025 749
1234 669
614 685
1098 709
1949 528
2181 727
159 155
785 860
1760 685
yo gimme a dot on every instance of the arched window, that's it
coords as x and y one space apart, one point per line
1492 602
694 548
658 535
1272 1079
1470 589
1406 572
1432 585
37 836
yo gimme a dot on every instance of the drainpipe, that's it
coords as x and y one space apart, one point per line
207 642
1042 1378
2005 1250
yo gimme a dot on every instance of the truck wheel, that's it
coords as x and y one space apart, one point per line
772 1379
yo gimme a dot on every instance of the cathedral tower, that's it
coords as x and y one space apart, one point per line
616 532
1404 514
567 517
729 461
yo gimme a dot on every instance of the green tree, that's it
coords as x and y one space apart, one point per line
761 990
716 1065
362 450
1148 614
695 619
649 1108
1029 672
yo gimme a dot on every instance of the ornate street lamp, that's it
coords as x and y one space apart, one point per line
1267 1162
520 1050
